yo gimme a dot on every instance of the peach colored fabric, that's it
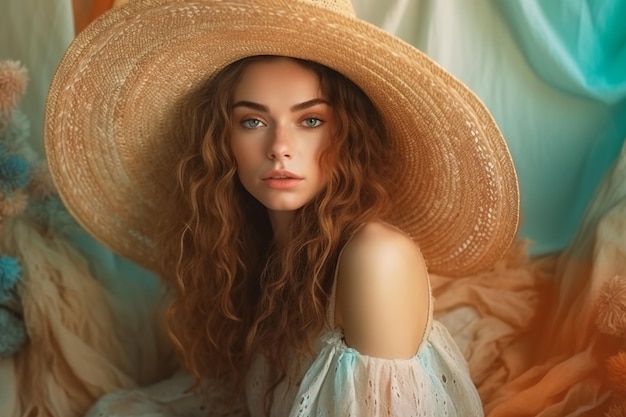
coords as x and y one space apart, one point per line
528 328
486 313
567 376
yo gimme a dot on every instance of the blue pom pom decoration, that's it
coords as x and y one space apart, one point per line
18 130
14 172
10 273
12 334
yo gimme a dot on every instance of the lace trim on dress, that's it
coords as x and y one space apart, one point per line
342 382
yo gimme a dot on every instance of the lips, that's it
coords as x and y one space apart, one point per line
282 180
281 175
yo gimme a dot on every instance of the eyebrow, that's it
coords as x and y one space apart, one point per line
295 107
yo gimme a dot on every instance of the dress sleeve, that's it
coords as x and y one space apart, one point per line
342 382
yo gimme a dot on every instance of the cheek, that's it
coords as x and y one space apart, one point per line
246 159
238 151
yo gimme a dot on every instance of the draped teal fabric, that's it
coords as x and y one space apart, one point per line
579 47
553 74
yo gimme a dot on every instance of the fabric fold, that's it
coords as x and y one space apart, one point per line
75 352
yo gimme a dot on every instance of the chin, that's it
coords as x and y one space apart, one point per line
283 207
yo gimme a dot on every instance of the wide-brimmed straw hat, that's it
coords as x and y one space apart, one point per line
117 89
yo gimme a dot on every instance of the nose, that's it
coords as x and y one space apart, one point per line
281 143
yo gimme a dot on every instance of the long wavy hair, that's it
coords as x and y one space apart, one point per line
235 292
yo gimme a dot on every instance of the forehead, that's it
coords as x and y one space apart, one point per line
277 76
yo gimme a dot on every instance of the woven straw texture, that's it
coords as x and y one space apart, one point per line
111 103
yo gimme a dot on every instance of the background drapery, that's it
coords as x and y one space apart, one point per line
553 74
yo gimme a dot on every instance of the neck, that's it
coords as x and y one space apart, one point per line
281 223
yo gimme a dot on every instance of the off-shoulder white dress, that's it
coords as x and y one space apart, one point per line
338 381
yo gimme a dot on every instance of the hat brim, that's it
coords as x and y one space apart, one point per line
114 94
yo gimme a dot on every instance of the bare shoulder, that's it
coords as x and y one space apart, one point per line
382 299
381 243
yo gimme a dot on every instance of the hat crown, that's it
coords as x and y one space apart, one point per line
340 6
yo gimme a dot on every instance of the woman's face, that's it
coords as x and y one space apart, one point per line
281 124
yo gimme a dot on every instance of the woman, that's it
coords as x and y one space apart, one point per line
290 233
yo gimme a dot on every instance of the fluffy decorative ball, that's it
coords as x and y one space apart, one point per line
16 132
12 334
14 172
617 409
10 272
611 307
14 203
616 368
13 80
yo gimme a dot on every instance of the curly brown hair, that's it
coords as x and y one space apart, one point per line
235 292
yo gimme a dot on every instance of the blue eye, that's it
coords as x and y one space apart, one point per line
252 123
312 122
